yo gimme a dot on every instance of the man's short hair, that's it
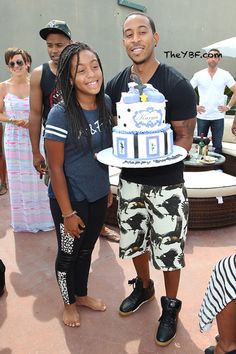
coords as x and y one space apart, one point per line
151 22
214 50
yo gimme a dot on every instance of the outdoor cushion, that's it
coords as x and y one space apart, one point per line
208 184
228 136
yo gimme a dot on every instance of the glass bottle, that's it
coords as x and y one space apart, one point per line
201 145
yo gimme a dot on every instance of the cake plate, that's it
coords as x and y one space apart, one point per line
106 157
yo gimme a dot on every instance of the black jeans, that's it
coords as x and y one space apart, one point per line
74 254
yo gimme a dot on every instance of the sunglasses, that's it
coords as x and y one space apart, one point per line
12 64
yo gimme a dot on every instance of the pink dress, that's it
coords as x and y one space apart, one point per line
29 202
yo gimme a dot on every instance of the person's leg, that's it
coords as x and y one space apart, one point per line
169 214
141 264
172 283
203 126
226 323
217 128
96 217
68 247
109 234
220 302
3 173
133 222
143 287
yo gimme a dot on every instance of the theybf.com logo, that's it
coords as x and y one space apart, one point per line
190 54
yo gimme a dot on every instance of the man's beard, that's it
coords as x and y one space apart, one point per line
213 65
139 62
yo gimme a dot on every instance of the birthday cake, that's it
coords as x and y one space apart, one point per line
141 132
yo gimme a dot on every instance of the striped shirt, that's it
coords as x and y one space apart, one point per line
221 291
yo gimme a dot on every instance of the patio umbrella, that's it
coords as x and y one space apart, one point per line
227 47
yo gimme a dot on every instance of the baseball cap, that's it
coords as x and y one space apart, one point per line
55 26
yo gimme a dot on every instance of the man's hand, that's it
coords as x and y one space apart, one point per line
201 109
233 128
223 109
39 163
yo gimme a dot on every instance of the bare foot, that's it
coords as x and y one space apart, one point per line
109 234
91 302
71 316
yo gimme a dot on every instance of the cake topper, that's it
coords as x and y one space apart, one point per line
139 86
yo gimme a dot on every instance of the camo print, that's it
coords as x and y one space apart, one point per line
154 219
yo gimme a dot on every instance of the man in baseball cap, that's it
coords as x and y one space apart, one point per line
43 92
55 26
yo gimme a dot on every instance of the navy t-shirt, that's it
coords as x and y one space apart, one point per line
180 105
86 177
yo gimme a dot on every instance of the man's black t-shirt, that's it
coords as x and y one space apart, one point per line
51 95
180 105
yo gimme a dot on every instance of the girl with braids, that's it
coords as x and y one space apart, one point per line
76 130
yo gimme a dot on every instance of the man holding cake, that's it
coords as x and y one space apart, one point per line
152 201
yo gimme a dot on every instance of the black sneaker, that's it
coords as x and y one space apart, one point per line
138 297
168 321
211 350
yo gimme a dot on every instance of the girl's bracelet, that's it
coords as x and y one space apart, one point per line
67 216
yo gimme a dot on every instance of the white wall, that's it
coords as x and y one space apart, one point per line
185 25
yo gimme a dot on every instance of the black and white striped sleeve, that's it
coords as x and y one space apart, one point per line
221 291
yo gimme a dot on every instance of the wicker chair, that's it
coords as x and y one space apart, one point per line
212 199
229 147
230 164
207 213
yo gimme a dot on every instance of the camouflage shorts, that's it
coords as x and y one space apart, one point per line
154 219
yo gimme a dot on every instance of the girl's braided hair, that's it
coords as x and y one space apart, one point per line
65 83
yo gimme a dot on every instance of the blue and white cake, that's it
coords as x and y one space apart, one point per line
141 132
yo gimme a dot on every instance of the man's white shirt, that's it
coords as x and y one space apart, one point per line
211 91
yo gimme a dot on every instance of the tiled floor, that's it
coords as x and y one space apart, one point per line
30 310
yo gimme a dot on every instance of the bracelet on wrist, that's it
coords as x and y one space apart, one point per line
10 120
228 107
66 216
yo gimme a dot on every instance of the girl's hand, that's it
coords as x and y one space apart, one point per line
74 225
19 123
25 124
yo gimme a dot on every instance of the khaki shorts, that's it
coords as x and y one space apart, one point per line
154 219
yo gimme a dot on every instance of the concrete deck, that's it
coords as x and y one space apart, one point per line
30 309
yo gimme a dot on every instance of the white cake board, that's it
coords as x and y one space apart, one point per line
106 156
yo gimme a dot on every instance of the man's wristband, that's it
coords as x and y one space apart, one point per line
228 107
67 216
